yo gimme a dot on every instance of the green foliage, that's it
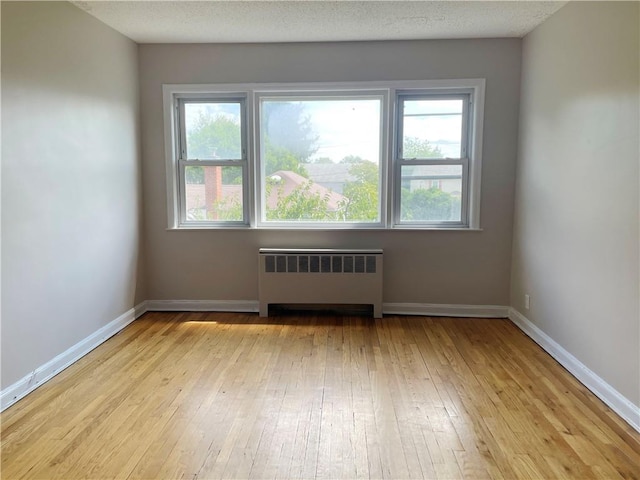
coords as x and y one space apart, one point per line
214 137
352 160
414 147
301 205
322 160
362 192
428 205
229 209
194 175
210 138
279 158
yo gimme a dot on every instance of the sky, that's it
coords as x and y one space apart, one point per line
352 126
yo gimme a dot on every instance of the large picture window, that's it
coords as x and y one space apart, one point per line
320 159
372 155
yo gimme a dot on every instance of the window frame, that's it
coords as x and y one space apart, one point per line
389 164
399 161
184 161
324 94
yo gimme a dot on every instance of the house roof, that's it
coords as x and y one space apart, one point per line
290 181
323 173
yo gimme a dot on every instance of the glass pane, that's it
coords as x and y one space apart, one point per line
321 159
213 193
431 193
213 131
432 129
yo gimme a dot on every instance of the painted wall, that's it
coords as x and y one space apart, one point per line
576 234
71 216
470 268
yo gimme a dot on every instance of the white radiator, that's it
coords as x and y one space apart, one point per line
319 276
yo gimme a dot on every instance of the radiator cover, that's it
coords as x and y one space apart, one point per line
317 276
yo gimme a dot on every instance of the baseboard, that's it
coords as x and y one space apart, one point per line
141 308
445 310
601 389
42 374
202 305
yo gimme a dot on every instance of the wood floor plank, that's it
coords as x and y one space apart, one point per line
310 396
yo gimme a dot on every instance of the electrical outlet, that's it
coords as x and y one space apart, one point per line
526 301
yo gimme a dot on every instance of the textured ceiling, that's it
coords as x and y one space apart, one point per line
316 21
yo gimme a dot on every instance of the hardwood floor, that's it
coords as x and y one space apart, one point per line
220 395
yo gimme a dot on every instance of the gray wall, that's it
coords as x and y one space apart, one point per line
70 181
576 234
420 266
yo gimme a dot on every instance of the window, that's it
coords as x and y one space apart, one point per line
320 159
367 155
431 158
212 160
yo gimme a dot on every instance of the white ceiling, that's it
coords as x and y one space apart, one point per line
242 21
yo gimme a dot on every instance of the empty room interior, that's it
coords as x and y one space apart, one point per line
320 239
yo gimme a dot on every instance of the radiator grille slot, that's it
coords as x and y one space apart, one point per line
320 264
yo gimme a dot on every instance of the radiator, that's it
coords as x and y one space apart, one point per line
320 276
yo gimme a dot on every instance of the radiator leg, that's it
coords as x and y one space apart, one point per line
377 310
264 309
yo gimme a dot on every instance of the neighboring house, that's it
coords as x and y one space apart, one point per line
285 182
447 178
330 175
201 197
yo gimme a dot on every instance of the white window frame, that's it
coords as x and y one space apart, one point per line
324 94
389 164
399 161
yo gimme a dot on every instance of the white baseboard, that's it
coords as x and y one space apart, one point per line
42 374
601 389
445 310
141 309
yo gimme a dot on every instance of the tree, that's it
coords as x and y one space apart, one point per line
414 147
428 204
362 192
229 209
352 160
301 204
279 158
214 137
321 161
211 138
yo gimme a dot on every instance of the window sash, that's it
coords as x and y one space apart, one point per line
403 97
464 206
182 164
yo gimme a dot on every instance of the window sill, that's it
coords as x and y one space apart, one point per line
299 229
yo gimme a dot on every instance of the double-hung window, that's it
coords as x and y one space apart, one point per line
431 158
212 161
379 155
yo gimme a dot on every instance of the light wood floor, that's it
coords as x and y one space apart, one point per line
198 396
